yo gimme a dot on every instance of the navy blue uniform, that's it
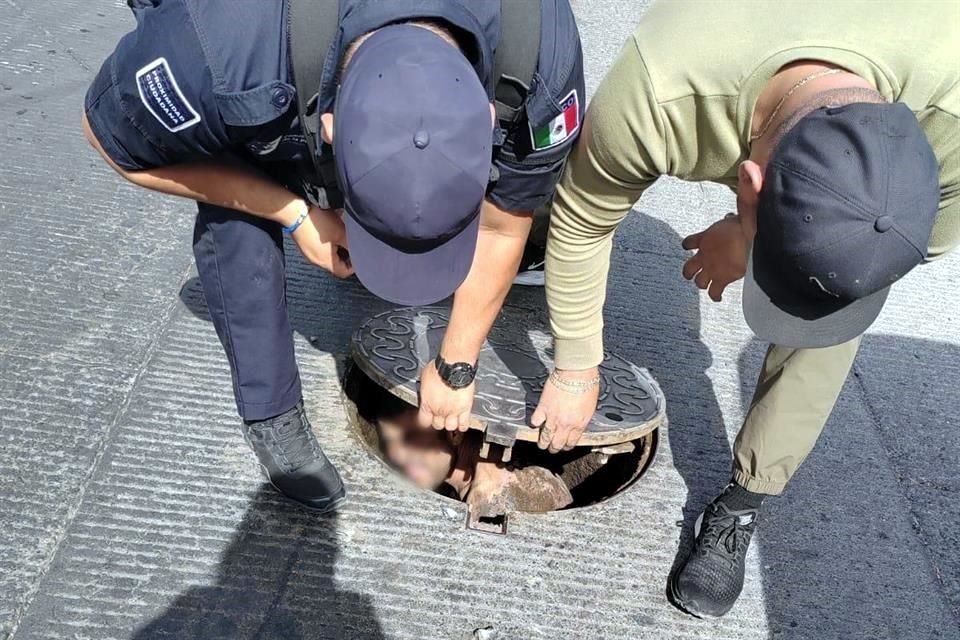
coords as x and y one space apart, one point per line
198 79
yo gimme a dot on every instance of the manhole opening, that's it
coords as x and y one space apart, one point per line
438 460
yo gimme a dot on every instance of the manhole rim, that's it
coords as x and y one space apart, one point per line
354 432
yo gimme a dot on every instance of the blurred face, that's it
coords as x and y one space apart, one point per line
425 456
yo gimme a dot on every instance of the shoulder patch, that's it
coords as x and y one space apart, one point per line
561 128
162 97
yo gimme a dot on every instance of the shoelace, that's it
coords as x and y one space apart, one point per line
293 441
725 528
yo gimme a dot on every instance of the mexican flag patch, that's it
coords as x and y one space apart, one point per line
560 128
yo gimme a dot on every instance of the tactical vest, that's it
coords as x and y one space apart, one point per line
506 34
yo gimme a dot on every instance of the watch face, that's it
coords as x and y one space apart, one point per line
461 375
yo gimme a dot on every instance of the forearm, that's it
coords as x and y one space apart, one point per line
589 206
576 284
225 183
619 154
480 297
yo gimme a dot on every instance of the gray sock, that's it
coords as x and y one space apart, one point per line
737 498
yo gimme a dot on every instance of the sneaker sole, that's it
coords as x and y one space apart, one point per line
530 279
688 607
335 504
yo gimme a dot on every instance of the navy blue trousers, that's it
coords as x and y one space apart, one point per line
241 264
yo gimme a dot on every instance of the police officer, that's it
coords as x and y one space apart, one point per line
199 101
841 138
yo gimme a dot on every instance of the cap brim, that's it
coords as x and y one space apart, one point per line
772 324
411 279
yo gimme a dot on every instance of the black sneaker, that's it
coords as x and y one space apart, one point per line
293 461
530 273
710 580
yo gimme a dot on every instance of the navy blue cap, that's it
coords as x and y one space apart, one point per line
848 204
412 144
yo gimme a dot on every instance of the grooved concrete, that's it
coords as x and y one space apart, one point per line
84 289
130 508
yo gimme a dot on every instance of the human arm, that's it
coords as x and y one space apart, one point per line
229 183
526 170
497 488
503 235
156 115
621 151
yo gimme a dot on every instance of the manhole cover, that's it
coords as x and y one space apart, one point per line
392 348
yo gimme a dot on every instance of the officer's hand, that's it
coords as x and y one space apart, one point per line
322 240
721 257
563 415
442 407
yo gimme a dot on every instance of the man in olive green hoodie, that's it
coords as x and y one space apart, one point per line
838 126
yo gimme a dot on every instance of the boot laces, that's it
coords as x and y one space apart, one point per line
729 530
294 442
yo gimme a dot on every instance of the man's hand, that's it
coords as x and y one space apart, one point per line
721 256
442 407
563 415
322 240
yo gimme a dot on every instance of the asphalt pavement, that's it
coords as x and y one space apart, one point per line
130 508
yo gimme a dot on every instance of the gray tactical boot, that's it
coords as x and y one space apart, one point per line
293 461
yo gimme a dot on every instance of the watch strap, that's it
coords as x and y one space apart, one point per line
445 368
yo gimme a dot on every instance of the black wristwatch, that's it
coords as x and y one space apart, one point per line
457 375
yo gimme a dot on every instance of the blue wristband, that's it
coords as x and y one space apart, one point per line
296 223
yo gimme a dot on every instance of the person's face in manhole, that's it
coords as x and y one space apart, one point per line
437 460
424 456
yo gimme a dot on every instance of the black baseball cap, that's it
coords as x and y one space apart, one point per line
848 204
412 148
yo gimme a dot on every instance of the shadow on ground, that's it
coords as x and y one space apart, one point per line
843 532
657 325
275 581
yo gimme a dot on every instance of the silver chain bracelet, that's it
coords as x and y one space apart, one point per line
573 386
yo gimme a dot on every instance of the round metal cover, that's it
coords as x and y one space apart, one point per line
392 347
